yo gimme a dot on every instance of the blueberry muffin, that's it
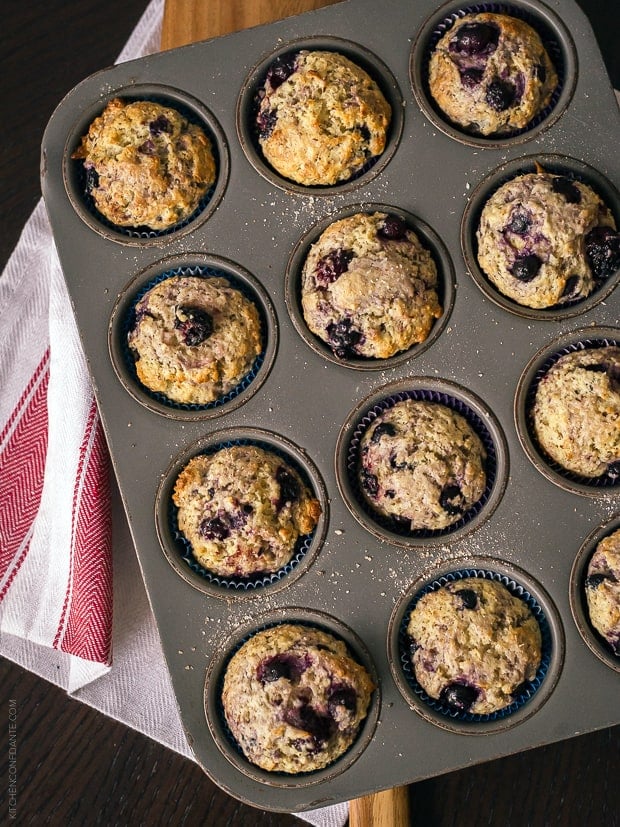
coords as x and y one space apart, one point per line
294 698
242 509
146 165
369 287
603 590
491 74
194 339
474 645
544 240
576 412
421 465
320 118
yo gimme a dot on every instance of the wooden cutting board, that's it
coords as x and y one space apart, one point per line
187 21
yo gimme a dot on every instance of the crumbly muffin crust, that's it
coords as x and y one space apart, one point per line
491 74
242 509
194 338
294 698
576 412
473 645
369 287
539 240
421 464
321 118
146 164
603 590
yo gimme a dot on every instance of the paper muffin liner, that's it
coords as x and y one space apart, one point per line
526 691
178 548
568 167
216 717
597 644
445 286
554 36
248 103
608 482
495 464
77 177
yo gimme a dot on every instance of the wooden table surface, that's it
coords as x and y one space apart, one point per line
76 766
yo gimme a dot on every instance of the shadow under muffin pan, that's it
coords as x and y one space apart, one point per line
247 108
578 601
570 168
605 486
76 178
531 695
215 713
555 38
123 320
457 399
178 549
445 286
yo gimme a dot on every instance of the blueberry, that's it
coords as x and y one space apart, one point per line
571 284
476 39
521 689
469 598
520 223
147 148
364 133
564 186
393 228
214 529
92 179
344 696
500 94
320 727
289 487
603 251
281 69
459 696
451 500
195 324
159 125
593 581
526 267
613 470
266 122
331 266
382 429
470 78
280 666
369 482
344 338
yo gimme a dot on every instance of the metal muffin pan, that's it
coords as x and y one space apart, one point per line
304 400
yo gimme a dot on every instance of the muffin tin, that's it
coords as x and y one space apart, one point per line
356 578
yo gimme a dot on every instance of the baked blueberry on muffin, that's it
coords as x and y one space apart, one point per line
491 74
545 239
242 509
421 465
194 339
146 165
576 412
369 287
603 590
321 118
473 645
294 698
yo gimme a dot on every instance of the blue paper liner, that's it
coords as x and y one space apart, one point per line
260 579
526 691
130 320
148 232
611 478
549 41
457 405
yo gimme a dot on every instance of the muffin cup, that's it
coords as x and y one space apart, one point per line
123 316
75 178
178 550
445 286
557 165
577 595
556 40
605 486
535 692
247 108
457 399
215 713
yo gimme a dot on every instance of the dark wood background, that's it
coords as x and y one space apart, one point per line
76 766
